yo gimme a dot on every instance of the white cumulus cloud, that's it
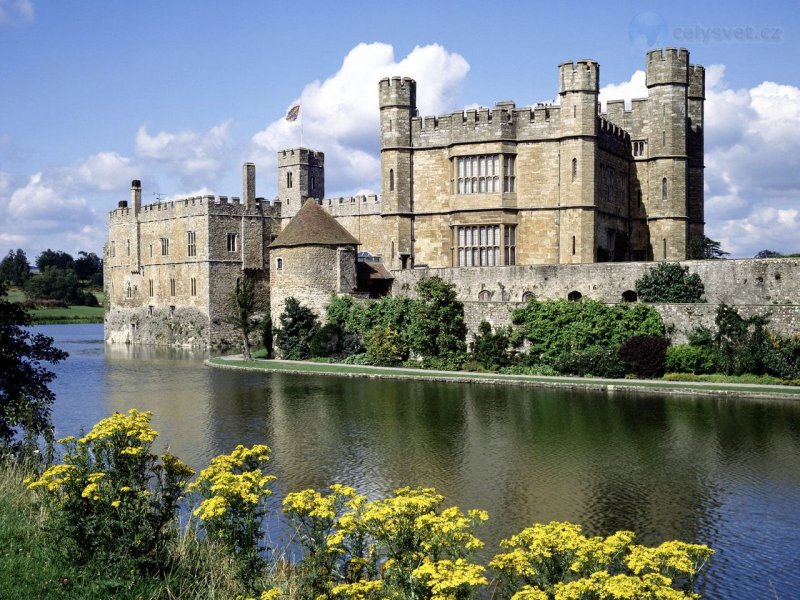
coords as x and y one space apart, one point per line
752 176
16 11
41 200
196 158
107 171
340 114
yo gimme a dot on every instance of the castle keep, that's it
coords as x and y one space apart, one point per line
482 189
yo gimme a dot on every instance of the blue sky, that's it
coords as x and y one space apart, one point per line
179 94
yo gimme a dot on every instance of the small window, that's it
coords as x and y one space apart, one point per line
574 110
528 296
289 179
313 182
664 242
191 243
279 264
151 250
128 291
113 250
663 138
573 245
629 296
574 296
128 247
233 240
391 180
574 169
484 296
171 287
193 283
150 287
164 246
664 189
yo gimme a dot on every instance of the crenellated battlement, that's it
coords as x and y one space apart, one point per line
667 66
195 205
300 156
697 82
398 92
581 76
363 204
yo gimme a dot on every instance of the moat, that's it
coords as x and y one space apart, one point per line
723 472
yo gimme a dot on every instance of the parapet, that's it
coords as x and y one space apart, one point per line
300 156
350 206
398 92
697 82
582 76
668 66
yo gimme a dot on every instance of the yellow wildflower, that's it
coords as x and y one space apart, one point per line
449 579
116 503
360 590
271 594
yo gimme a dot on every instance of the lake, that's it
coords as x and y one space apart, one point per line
719 471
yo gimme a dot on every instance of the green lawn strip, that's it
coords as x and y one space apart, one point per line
71 314
622 384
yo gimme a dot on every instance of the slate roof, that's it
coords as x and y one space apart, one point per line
313 226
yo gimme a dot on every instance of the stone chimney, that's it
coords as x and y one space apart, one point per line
136 196
249 186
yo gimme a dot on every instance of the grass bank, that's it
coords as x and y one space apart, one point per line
586 383
30 566
59 316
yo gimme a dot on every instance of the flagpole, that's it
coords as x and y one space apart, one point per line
301 128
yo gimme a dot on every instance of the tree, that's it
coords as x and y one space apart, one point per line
706 249
25 399
58 284
88 265
298 325
768 254
54 258
243 301
437 328
14 268
670 282
492 349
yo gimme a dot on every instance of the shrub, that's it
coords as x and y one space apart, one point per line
56 284
670 282
491 350
597 362
558 327
386 347
113 500
684 358
437 329
298 325
331 340
644 355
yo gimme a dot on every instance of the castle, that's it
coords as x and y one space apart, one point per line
469 192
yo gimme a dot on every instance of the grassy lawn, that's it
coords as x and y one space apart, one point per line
57 316
732 386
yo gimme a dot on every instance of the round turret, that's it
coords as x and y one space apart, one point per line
582 76
398 91
667 67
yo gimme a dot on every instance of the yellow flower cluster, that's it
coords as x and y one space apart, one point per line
601 584
135 426
448 579
53 478
271 594
235 478
360 590
671 558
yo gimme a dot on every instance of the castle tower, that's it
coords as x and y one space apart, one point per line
134 242
578 89
695 151
666 129
301 175
398 104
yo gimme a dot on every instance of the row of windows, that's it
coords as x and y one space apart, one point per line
129 291
573 296
482 174
232 244
480 245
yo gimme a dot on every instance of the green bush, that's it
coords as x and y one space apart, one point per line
298 326
670 282
595 362
684 358
437 330
491 350
643 355
386 347
56 284
555 328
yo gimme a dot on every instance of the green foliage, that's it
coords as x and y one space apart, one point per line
643 355
55 283
555 328
243 303
298 325
492 350
386 347
438 330
705 249
89 266
54 258
670 282
112 500
701 337
773 254
14 268
25 399
686 358
591 362
533 369
332 341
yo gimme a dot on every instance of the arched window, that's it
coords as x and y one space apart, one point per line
574 296
289 179
629 296
484 296
664 189
391 180
664 242
279 264
528 296
574 169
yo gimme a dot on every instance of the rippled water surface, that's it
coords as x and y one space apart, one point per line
723 472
